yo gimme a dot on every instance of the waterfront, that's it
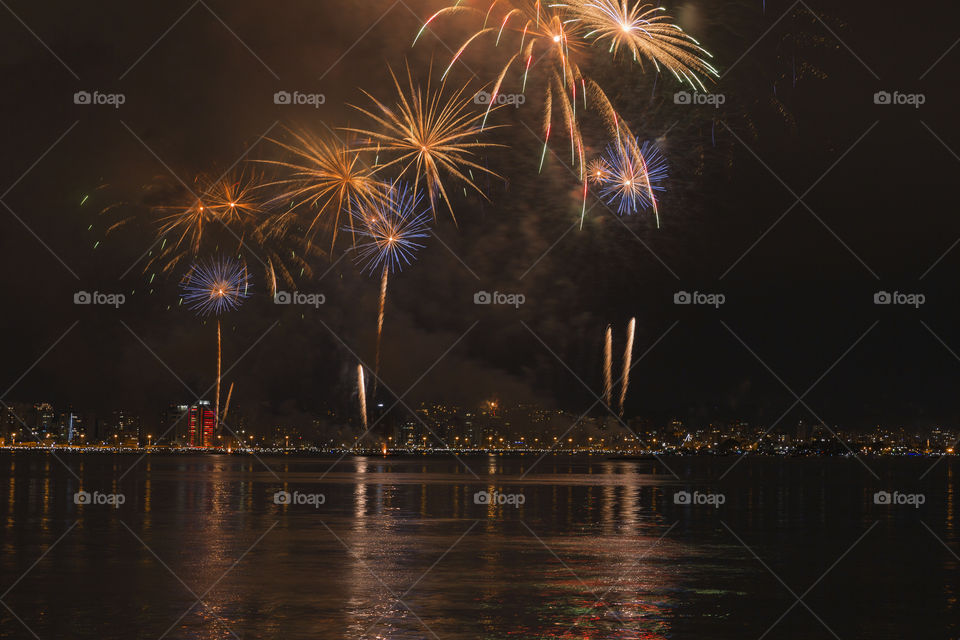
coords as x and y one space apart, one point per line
401 548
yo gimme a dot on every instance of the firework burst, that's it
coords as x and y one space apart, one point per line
216 286
232 215
388 234
432 136
552 39
646 33
326 178
633 173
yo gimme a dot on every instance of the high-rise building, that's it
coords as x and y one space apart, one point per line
44 419
201 425
174 424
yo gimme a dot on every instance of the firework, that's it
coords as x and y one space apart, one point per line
540 30
431 136
634 173
327 178
608 366
220 212
230 214
389 235
627 359
226 407
552 40
598 171
643 31
362 392
216 286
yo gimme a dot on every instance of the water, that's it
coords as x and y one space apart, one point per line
399 549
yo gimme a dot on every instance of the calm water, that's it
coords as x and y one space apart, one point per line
399 549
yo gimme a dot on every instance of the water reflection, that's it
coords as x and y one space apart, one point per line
400 548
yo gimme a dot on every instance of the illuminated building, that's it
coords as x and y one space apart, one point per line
44 418
201 425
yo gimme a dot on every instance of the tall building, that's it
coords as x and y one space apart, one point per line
44 419
174 424
201 425
71 427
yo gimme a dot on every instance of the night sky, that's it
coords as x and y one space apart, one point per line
878 211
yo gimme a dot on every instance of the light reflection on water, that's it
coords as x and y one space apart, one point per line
400 549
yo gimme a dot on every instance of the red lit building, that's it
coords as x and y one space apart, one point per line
201 425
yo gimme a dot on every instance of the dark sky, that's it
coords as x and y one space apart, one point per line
799 286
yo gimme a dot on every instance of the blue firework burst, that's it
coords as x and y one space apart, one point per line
633 173
216 286
389 229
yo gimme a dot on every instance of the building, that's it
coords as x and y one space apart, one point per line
173 424
201 425
44 419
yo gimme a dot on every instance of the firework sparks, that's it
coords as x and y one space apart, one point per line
327 178
552 39
228 209
230 214
634 173
643 31
216 287
389 231
432 137
627 360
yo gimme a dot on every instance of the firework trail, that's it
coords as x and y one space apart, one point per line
608 366
363 396
380 314
388 235
627 359
226 407
216 406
